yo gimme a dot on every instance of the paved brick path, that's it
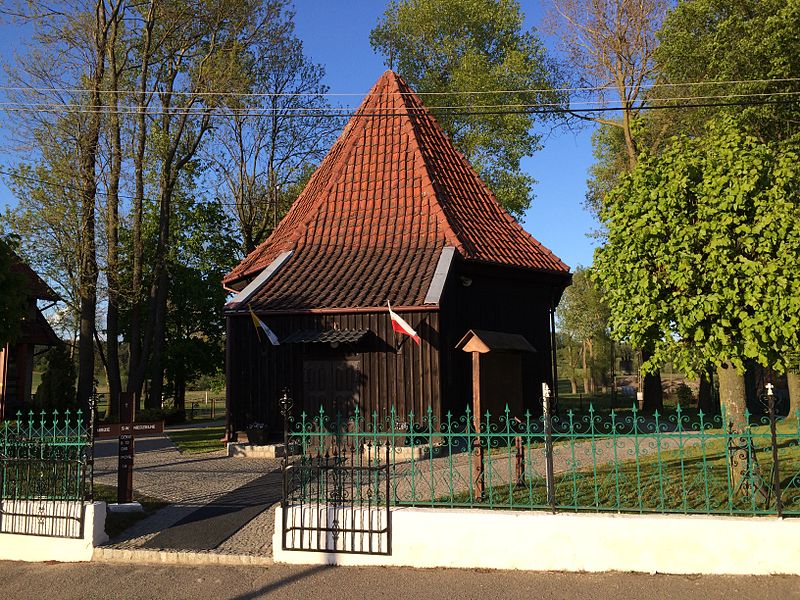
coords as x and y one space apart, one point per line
189 482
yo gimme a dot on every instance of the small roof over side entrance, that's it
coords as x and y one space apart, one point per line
480 340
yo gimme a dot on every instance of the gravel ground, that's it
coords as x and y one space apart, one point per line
189 482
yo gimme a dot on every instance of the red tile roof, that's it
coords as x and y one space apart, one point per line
371 223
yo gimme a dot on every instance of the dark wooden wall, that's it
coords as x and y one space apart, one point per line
496 299
394 371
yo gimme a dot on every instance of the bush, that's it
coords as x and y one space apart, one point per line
684 394
170 416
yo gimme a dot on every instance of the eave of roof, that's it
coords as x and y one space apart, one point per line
395 186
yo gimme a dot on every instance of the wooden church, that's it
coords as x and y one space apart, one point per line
394 214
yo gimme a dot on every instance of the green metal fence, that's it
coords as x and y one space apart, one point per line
679 461
45 473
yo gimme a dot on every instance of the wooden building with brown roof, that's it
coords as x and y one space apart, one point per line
396 214
16 360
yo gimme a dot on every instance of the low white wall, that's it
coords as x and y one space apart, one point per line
575 542
40 548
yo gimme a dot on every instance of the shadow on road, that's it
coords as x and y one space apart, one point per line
284 581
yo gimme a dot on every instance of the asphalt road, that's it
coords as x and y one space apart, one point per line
21 581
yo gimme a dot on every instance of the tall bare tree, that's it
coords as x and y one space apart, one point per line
264 152
611 45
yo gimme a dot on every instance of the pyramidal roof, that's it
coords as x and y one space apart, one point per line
373 219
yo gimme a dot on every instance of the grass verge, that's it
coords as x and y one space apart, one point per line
116 523
691 479
198 440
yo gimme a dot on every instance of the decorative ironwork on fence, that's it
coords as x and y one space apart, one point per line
336 498
45 473
680 461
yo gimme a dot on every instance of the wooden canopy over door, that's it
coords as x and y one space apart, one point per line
496 371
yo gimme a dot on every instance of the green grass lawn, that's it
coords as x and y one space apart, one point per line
694 479
116 523
198 440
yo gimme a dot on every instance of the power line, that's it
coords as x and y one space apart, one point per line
98 191
35 106
455 110
361 94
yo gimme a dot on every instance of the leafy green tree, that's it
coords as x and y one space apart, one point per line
13 298
448 47
703 249
583 318
734 48
204 251
57 389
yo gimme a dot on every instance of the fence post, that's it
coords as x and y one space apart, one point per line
776 476
286 405
548 446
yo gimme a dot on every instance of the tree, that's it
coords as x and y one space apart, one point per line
263 154
703 248
201 51
611 45
13 297
57 389
204 250
447 48
747 52
583 317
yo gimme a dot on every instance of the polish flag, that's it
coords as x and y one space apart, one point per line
399 325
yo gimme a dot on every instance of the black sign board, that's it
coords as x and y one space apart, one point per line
126 449
113 430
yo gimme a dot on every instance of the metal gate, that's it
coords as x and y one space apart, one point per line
336 491
45 474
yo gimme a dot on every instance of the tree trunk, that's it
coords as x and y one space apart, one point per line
112 226
585 369
793 380
705 395
743 464
137 245
573 384
651 387
88 144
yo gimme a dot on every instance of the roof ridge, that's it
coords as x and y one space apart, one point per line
305 215
394 179
451 235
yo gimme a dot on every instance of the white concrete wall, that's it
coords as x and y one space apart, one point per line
39 548
576 542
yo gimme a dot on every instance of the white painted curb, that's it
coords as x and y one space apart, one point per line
537 541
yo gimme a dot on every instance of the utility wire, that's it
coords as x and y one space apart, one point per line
74 188
361 94
532 109
200 110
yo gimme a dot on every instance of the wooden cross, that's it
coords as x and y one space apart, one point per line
125 431
126 449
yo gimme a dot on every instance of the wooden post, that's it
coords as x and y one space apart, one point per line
126 449
477 454
548 447
3 371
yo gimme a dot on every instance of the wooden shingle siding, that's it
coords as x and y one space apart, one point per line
496 300
395 371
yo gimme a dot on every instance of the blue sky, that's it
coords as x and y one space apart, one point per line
336 34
